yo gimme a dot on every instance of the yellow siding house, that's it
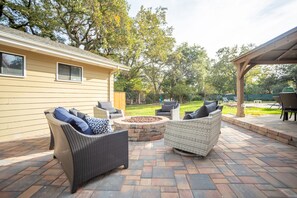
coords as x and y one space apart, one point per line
37 73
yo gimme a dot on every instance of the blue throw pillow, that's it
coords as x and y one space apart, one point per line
77 123
202 112
188 116
211 107
98 125
193 114
220 108
77 113
209 102
199 113
167 108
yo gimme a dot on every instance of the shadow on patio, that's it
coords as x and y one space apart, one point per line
242 164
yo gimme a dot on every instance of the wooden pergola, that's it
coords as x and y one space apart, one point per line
280 50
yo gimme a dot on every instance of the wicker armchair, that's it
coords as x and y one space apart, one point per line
102 111
196 135
86 156
173 114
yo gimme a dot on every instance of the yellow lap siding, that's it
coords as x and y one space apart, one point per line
23 100
14 107
25 135
43 84
23 123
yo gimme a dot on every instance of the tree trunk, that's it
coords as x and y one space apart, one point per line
180 99
139 98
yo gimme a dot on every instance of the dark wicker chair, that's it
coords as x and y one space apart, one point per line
289 104
173 114
86 156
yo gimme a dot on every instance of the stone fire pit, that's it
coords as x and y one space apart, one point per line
142 128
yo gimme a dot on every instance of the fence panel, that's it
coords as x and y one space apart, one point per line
120 100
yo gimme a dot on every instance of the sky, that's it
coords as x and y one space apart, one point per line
214 24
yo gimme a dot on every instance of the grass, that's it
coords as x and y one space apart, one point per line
149 109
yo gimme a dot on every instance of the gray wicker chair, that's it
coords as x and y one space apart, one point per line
196 136
102 111
173 114
86 156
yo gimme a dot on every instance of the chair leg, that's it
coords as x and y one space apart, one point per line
285 116
126 165
52 141
74 188
281 114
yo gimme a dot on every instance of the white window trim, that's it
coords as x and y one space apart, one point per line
25 65
72 81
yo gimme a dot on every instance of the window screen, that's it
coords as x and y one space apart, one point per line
11 64
71 73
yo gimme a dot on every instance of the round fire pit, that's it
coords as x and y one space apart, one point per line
142 128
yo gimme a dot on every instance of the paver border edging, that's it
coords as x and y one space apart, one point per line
269 132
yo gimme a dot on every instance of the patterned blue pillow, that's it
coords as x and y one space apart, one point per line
99 126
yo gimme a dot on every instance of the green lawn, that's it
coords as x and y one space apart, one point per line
149 109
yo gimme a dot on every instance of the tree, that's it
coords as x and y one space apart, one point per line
100 26
187 65
149 44
181 90
31 16
223 73
289 74
268 79
158 41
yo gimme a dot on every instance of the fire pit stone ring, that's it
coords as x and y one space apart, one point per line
142 128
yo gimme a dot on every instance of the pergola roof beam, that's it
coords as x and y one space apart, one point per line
286 52
268 62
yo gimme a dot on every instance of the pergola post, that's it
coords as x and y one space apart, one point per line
240 91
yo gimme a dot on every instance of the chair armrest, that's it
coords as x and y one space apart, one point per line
192 125
157 110
100 113
175 113
188 112
120 111
195 121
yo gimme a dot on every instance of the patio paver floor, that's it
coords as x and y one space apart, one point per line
242 164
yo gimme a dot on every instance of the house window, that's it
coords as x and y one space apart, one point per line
69 73
12 65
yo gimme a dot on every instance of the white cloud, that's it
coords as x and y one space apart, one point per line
213 24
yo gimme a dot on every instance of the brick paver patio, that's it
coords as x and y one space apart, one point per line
242 164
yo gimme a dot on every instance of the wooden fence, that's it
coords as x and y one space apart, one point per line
120 100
